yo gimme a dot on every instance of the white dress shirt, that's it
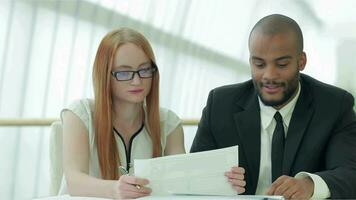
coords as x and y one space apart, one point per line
268 124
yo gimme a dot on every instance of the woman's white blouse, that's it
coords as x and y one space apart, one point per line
140 146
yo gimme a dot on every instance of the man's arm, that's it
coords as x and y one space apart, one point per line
339 178
204 139
340 159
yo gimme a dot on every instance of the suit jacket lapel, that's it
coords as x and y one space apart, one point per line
299 122
248 124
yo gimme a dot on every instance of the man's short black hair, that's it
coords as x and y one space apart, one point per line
276 23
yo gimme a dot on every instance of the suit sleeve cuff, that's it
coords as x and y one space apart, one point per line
321 189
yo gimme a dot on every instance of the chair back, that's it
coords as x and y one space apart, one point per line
55 152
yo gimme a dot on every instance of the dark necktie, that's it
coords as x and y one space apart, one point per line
277 147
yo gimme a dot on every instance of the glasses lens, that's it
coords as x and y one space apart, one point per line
123 76
146 73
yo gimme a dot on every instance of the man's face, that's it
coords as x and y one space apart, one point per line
275 65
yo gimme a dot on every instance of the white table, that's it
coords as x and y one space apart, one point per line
174 197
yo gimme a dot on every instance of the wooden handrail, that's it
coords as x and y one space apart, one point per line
49 121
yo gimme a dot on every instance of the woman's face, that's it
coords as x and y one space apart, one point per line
130 58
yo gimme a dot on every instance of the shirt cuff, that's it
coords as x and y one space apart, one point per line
321 189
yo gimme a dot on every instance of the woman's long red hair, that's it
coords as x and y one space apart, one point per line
106 145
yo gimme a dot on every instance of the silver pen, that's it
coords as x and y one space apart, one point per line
123 171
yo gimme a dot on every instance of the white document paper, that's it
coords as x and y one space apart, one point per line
199 173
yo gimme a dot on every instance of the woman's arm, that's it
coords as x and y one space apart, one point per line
175 142
76 160
76 167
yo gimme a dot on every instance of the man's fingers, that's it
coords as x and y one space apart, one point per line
239 170
272 189
234 176
276 184
239 190
290 192
240 183
291 188
297 195
284 186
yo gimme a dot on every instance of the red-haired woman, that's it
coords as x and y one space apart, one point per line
123 122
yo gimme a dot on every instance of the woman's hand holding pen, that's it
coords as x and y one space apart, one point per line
130 187
236 177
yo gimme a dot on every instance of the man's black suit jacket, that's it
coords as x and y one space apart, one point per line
321 137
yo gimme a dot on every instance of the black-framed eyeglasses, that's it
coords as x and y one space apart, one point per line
146 72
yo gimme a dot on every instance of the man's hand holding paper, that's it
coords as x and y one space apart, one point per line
236 176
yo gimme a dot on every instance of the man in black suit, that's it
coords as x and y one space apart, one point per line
296 135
